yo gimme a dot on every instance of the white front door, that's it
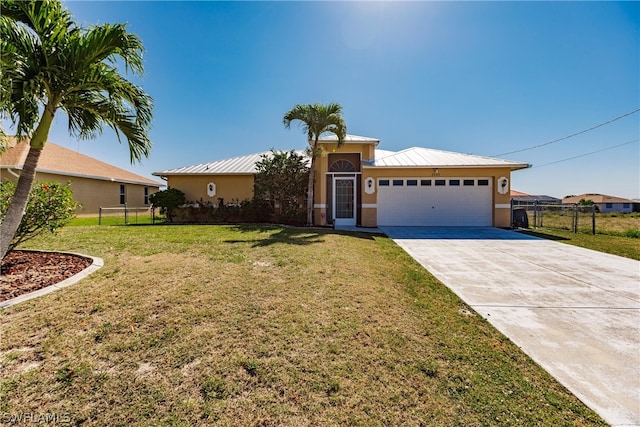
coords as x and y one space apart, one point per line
344 201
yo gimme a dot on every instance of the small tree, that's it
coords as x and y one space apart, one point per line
49 207
588 202
316 119
282 178
168 200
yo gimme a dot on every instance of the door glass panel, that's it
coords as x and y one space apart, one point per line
344 198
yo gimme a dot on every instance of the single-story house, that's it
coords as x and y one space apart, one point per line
520 198
94 183
605 203
359 184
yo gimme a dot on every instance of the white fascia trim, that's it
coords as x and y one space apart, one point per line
320 205
503 205
167 174
99 178
513 167
370 205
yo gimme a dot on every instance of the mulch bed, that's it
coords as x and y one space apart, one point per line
22 272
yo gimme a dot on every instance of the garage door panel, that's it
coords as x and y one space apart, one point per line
447 205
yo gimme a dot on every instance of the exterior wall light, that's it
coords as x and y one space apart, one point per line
211 189
369 186
503 185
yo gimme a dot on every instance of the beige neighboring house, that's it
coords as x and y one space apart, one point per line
361 185
94 183
605 203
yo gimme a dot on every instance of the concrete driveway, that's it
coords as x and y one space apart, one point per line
575 311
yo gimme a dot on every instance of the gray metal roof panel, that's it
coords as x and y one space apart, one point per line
241 165
428 157
354 139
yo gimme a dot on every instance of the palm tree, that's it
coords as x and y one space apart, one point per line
49 63
316 119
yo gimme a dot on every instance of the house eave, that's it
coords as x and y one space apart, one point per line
95 177
512 167
164 174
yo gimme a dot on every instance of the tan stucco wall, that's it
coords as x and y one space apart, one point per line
501 213
93 193
228 187
240 187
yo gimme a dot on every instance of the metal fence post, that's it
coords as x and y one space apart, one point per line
100 216
535 214
511 215
593 219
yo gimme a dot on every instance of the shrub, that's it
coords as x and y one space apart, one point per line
50 206
168 200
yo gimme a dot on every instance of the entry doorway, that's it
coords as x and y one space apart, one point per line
344 201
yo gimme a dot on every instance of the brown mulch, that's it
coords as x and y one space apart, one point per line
22 272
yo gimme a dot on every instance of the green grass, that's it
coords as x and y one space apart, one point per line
614 224
198 325
133 219
628 247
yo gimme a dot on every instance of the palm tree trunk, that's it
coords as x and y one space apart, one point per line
18 204
312 174
12 219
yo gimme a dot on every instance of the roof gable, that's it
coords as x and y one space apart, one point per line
62 161
429 157
350 139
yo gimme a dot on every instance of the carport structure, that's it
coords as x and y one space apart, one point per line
575 311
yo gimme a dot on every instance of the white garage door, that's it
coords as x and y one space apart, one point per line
435 202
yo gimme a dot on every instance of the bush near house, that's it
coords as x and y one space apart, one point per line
279 193
168 200
50 206
247 211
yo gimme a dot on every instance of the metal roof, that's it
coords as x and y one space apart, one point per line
411 157
349 139
428 157
242 165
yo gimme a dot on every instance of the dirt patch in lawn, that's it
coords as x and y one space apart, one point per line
22 272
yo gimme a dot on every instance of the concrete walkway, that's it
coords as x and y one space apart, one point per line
575 311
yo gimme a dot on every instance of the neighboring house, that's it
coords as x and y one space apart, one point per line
605 203
358 184
94 183
519 198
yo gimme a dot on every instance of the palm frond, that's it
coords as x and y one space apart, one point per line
48 61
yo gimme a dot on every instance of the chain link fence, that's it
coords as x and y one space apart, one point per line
572 217
127 215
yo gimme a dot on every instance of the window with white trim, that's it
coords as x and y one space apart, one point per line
123 194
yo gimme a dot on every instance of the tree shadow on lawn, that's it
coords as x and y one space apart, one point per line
291 235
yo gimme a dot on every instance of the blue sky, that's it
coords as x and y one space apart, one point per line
476 77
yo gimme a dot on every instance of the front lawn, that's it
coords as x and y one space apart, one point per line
628 247
196 325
